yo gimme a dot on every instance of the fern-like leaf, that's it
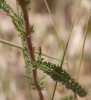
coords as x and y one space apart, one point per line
58 74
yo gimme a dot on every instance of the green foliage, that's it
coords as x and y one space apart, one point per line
58 74
16 18
67 98
18 22
19 25
40 81
55 71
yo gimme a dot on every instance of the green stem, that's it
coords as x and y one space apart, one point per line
81 56
21 47
71 29
56 31
54 24
50 57
11 44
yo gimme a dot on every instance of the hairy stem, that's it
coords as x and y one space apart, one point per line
29 45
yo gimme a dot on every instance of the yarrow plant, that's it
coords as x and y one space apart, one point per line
56 72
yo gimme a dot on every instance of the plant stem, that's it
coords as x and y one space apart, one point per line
11 44
21 47
81 56
57 36
29 45
65 50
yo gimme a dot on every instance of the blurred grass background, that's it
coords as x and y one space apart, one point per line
12 79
